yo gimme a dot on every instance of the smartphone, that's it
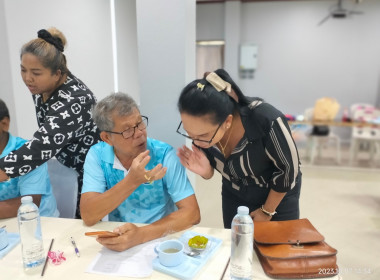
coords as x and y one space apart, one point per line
102 234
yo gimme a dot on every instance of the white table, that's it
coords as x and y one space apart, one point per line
74 268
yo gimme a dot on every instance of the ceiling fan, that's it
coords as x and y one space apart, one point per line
338 11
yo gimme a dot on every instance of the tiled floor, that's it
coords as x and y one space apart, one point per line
342 203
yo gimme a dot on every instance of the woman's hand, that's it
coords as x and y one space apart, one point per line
196 161
273 200
259 216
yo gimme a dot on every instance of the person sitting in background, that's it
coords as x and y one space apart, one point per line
134 179
63 106
36 183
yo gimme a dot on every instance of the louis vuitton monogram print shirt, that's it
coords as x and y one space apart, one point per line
66 131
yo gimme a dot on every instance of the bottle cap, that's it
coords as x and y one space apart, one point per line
26 199
243 210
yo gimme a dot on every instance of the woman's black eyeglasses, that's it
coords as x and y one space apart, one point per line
194 139
129 132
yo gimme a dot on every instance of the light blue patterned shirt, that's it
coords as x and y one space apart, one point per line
149 202
35 182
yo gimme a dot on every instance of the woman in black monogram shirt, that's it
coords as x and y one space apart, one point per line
63 109
245 139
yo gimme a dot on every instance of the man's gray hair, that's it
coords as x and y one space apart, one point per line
120 103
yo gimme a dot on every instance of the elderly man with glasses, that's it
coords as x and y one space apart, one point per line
134 179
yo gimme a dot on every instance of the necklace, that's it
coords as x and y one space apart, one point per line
225 146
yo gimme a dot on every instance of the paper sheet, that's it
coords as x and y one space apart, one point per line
134 262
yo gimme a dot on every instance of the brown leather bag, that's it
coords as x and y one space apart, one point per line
293 249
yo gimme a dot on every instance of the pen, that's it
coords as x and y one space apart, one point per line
47 258
225 269
75 246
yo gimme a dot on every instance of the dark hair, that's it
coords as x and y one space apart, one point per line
3 110
49 55
198 101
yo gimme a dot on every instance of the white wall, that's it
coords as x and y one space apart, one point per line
232 15
86 25
5 73
166 44
300 61
127 53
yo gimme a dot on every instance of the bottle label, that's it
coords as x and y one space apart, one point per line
241 271
35 251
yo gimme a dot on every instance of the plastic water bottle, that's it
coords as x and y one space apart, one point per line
241 245
29 224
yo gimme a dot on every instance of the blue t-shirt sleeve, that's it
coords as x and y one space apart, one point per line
176 180
35 182
93 177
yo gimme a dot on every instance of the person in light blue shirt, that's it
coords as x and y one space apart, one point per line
134 179
35 183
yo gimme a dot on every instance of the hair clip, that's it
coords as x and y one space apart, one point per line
221 85
200 86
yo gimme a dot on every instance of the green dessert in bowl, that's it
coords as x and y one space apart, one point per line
198 243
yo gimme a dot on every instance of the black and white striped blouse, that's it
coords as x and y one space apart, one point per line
265 157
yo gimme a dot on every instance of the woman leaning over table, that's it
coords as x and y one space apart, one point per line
63 106
245 139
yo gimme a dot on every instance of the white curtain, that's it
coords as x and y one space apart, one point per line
209 58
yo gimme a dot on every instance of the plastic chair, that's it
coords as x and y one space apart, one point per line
65 187
365 136
315 143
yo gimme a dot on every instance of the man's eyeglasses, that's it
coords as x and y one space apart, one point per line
129 132
183 133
